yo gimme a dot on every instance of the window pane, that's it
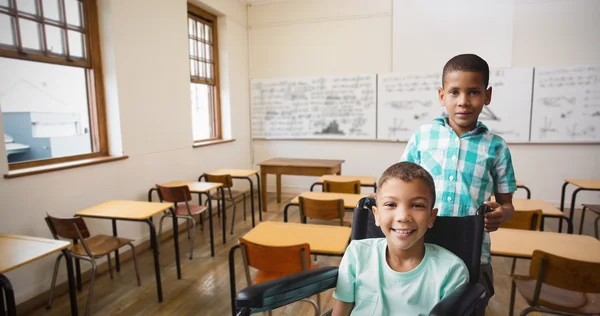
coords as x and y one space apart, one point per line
28 7
76 48
199 30
191 27
193 68
53 10
209 55
207 33
201 50
202 70
193 48
6 4
55 40
202 104
31 35
74 10
7 35
44 110
209 71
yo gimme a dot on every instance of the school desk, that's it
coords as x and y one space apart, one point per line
295 167
522 186
582 185
18 250
136 211
323 240
243 174
201 188
548 210
365 181
350 200
518 243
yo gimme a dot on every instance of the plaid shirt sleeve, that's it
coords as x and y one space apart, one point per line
411 152
503 172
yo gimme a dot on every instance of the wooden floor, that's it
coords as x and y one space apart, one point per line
204 287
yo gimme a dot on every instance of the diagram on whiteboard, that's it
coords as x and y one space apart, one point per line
564 104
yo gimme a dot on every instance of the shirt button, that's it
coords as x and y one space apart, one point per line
453 158
451 178
449 199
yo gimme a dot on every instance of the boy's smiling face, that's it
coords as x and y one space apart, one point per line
404 213
464 95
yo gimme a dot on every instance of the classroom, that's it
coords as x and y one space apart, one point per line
103 100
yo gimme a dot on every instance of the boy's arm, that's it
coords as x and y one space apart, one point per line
411 152
342 308
505 184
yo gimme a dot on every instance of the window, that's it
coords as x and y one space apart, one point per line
204 75
51 91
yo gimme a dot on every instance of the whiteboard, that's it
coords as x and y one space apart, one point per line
566 104
407 101
314 107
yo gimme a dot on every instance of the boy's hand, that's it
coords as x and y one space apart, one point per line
494 218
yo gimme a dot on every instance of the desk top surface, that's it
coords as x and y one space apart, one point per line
364 180
18 250
522 243
350 200
118 209
585 183
532 205
294 162
234 172
322 239
195 186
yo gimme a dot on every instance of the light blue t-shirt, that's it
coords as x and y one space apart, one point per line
366 279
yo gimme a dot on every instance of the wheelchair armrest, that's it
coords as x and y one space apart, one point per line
273 294
462 301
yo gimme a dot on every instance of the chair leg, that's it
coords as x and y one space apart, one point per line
135 264
244 199
596 227
187 223
160 233
318 304
193 235
56 265
110 269
527 311
233 215
512 269
91 291
511 306
582 219
201 221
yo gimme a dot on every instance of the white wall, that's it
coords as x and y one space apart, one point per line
338 37
147 81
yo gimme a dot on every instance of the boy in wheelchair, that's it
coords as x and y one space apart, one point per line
398 274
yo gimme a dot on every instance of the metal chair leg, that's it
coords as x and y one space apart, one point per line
527 311
56 265
244 201
201 221
110 269
91 291
596 227
233 215
135 264
189 218
511 306
188 229
160 233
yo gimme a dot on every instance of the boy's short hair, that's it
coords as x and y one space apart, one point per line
468 62
407 171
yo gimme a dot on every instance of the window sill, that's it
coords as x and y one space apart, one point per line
61 166
212 142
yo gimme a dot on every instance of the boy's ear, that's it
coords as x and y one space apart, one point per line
432 218
376 215
488 96
441 96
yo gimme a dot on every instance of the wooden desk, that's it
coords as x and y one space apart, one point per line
323 239
139 212
548 210
582 185
365 181
522 186
18 250
350 200
243 174
521 244
201 188
297 167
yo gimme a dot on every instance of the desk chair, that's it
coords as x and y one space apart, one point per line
87 248
350 187
322 211
594 208
233 197
461 235
560 286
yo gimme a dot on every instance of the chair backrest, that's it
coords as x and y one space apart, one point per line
286 259
65 227
462 236
565 273
350 187
525 220
321 209
224 179
174 194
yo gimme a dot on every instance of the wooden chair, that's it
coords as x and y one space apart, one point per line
231 195
559 286
180 196
275 262
350 187
87 248
322 211
595 208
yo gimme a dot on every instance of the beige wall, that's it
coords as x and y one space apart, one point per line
145 53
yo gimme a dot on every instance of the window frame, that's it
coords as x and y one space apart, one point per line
94 83
205 17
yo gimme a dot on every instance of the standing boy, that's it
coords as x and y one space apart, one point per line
467 162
